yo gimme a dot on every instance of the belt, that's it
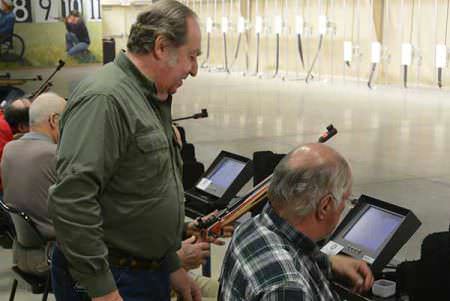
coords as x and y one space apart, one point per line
117 258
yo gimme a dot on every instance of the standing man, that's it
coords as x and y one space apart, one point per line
7 19
118 204
274 255
77 36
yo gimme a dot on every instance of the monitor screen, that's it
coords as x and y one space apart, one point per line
225 172
373 228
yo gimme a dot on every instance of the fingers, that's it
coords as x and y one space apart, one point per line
356 280
218 242
366 273
365 277
203 245
190 240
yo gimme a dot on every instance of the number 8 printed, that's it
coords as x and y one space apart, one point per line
21 11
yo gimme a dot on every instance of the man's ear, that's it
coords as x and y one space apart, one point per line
161 47
324 207
52 121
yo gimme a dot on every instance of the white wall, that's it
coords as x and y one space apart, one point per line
118 16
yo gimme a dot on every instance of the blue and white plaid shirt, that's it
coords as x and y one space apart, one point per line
268 260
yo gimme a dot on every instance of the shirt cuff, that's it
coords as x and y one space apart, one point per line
173 262
100 284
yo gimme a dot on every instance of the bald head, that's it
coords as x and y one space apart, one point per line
44 115
312 155
307 174
44 106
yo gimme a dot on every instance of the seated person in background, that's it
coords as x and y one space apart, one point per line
274 256
7 19
77 36
28 169
15 114
13 122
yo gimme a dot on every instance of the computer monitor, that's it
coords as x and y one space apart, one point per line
381 224
373 231
221 175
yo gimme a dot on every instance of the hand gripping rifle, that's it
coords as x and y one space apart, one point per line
47 84
214 224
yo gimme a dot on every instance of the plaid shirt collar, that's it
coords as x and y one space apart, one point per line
300 241
297 238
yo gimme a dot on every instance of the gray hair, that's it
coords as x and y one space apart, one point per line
166 18
303 177
45 105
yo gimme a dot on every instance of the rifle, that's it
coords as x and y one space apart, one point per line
6 80
47 84
203 114
212 225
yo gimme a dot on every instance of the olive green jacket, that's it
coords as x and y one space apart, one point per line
119 182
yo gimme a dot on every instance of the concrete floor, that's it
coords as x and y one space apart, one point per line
396 140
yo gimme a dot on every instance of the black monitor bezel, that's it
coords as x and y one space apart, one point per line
358 218
356 250
222 155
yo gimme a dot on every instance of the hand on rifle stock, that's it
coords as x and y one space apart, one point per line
192 229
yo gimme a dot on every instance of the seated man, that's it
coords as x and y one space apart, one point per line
13 121
274 256
28 169
77 36
7 19
16 115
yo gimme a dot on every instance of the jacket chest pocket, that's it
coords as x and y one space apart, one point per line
152 142
148 158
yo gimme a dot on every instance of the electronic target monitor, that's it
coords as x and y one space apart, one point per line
220 183
373 231
217 180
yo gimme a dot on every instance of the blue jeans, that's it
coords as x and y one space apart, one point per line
73 45
133 285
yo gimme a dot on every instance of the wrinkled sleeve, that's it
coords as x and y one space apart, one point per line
93 136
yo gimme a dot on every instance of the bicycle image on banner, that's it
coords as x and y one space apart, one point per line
35 32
